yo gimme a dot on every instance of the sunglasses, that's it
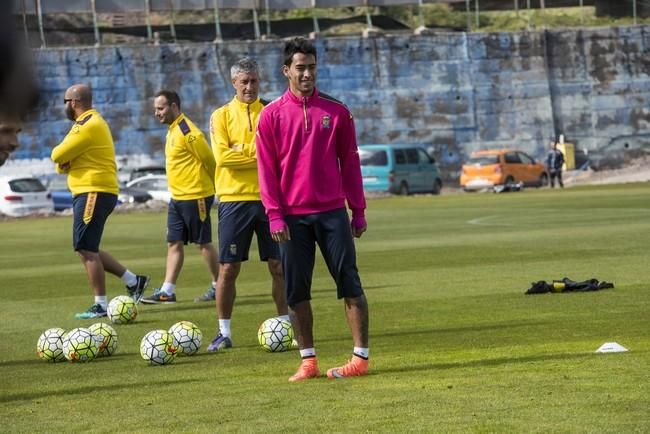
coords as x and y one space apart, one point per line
67 100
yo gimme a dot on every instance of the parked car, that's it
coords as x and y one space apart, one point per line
155 185
399 168
503 167
133 195
21 196
58 188
62 196
139 172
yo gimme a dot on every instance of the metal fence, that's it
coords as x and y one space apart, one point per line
39 8
102 6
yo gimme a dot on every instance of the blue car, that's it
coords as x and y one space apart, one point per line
62 197
399 169
58 187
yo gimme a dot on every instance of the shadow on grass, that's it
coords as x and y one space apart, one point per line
34 361
118 355
85 390
200 357
487 362
37 361
133 323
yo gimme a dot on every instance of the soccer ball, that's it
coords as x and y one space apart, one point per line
106 337
50 345
158 347
187 337
79 345
275 335
122 309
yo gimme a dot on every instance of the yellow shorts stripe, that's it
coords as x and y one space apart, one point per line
203 213
89 210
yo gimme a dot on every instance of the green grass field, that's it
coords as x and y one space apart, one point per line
456 346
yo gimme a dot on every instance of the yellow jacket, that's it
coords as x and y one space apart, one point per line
87 155
232 133
189 162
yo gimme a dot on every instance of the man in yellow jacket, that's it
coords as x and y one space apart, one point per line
190 174
87 155
241 213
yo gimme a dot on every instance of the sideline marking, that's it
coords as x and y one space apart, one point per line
482 221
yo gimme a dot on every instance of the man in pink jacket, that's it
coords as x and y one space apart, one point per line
308 167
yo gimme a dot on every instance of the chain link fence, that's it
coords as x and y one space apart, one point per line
35 12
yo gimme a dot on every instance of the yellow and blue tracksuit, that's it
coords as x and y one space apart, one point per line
189 161
232 132
89 154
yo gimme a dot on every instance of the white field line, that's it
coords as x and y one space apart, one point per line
482 221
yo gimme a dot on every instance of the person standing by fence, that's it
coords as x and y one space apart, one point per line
554 163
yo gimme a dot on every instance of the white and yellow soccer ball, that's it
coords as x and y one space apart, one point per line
158 347
275 335
50 345
106 338
122 309
187 337
79 345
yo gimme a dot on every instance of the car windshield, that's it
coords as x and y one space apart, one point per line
483 160
58 184
26 185
373 157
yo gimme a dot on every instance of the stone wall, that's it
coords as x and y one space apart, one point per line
458 92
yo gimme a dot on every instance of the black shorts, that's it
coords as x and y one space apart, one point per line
331 231
90 212
237 223
189 221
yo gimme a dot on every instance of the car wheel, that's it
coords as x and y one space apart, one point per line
509 180
404 189
543 180
437 186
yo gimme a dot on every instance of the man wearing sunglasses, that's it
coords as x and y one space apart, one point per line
87 156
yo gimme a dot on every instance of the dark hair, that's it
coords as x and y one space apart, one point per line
297 45
171 97
18 88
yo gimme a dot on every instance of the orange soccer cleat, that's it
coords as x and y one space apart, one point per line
308 369
354 368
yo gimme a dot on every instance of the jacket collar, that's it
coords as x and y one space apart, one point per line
242 105
299 99
83 116
176 121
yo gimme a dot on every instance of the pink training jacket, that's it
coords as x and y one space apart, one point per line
308 159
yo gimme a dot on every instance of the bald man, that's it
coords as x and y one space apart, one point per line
87 155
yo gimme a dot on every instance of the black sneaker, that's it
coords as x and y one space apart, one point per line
94 311
209 295
137 290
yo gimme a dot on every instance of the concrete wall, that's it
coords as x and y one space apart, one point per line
456 91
